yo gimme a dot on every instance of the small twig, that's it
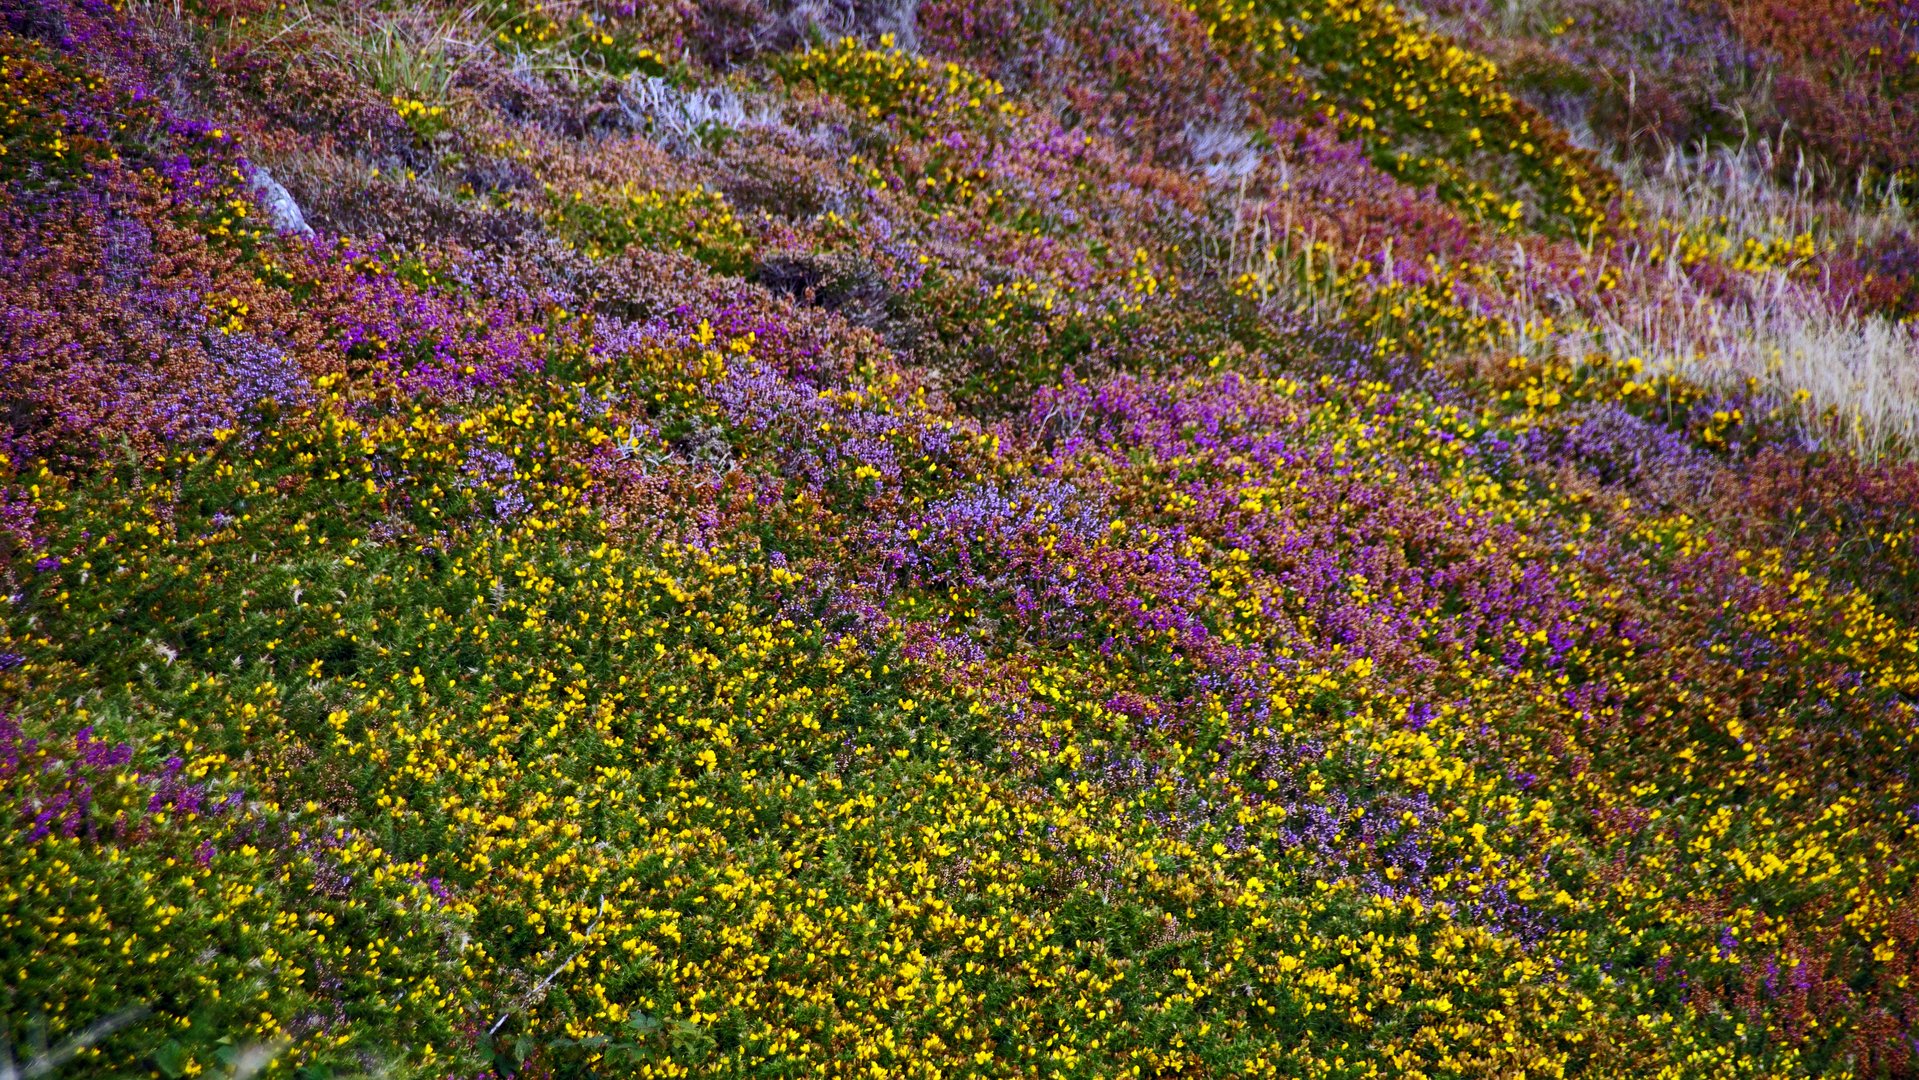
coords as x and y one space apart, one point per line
289 28
551 975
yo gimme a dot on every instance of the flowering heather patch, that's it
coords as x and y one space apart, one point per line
1135 539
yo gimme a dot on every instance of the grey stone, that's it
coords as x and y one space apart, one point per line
281 210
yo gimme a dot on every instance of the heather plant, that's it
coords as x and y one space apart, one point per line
1829 81
1080 540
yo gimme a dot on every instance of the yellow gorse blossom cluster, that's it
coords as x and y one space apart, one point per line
886 81
697 221
1423 102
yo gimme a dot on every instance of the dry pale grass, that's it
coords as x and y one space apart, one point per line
1850 374
1845 374
420 52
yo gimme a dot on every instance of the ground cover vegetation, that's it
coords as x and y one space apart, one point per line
1023 538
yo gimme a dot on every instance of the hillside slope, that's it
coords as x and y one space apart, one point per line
1035 538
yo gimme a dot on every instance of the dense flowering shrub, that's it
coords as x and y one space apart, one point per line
1425 106
697 222
1119 546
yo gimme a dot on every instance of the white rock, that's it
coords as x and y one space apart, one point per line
278 203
